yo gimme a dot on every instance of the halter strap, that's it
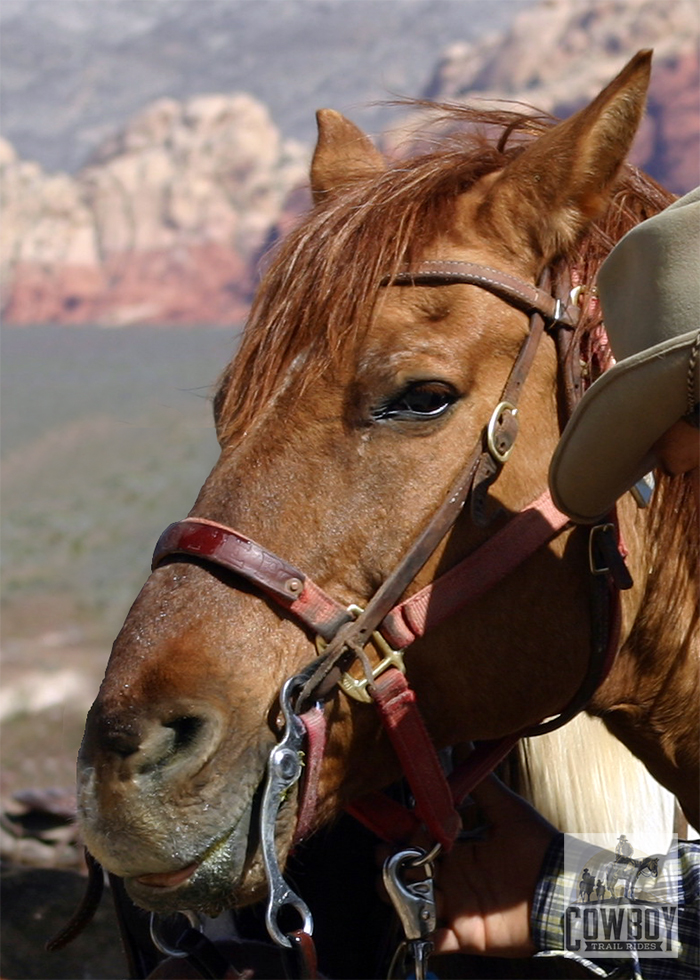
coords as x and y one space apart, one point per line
403 622
209 541
347 635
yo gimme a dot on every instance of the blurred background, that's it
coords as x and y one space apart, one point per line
152 151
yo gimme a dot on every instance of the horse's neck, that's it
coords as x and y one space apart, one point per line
650 699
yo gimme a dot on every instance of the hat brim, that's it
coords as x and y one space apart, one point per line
607 444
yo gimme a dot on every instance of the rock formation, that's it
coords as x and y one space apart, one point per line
167 222
558 55
164 224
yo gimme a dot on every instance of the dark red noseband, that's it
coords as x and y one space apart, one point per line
214 543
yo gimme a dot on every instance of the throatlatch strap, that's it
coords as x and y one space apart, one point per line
500 554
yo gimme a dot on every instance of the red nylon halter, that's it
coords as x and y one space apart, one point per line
520 538
197 537
402 622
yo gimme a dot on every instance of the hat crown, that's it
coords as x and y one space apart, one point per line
650 283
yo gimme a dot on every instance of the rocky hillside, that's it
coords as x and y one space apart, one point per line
167 221
164 224
76 70
557 56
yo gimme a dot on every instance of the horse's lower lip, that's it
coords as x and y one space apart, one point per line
168 879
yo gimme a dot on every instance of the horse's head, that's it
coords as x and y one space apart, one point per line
343 422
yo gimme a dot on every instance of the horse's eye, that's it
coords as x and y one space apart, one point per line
419 401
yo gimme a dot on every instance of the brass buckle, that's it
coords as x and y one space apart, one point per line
500 456
356 687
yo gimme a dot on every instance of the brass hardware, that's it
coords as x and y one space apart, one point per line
356 687
499 455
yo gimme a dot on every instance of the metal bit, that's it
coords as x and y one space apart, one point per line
284 768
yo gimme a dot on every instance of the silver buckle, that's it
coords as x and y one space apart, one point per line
597 529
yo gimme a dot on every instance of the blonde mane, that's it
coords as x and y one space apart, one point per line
585 781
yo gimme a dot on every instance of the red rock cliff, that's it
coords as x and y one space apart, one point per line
163 226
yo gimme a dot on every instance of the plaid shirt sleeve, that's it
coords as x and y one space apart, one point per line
552 897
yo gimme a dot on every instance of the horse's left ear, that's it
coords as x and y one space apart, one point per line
562 181
343 155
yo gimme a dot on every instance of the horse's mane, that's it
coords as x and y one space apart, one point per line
317 294
321 283
608 787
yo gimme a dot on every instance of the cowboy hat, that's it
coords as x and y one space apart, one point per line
649 288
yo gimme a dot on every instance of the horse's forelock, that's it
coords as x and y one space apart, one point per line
321 284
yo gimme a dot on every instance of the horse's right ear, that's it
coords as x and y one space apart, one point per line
562 181
343 155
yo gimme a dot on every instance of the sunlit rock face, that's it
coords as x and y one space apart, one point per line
164 225
558 55
168 220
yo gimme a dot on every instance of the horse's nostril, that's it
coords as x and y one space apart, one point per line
185 731
154 741
171 742
123 744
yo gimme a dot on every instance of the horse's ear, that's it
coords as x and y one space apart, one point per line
343 155
563 180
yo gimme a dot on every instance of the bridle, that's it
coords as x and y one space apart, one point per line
292 589
347 632
391 623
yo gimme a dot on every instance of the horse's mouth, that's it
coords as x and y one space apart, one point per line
170 879
173 879
202 886
208 884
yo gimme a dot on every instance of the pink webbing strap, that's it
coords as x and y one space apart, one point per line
314 721
483 760
398 709
396 824
387 819
476 574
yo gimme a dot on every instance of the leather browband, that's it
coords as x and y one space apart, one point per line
523 295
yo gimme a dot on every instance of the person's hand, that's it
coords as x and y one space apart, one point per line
484 890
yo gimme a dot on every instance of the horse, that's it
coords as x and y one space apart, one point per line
629 870
379 349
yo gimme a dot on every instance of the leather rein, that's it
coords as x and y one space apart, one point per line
388 622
